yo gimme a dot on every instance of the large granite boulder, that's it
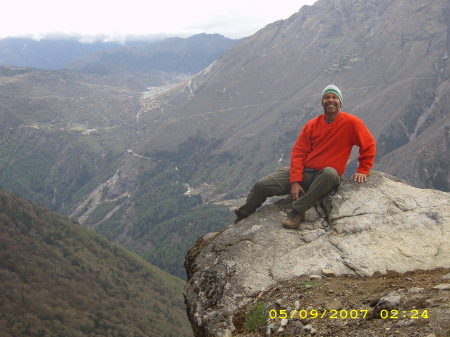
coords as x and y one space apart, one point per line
379 226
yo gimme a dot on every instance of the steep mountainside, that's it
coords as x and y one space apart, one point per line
236 120
60 279
389 57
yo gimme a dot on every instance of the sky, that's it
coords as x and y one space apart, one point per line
116 19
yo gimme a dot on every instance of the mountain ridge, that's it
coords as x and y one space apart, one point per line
50 54
171 55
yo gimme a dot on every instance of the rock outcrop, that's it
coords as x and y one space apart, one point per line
361 229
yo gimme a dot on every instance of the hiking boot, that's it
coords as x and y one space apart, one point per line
294 219
239 216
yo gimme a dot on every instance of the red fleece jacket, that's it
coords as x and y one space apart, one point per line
321 145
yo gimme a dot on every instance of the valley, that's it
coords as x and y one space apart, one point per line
119 156
151 146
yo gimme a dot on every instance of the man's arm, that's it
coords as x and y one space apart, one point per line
299 152
367 151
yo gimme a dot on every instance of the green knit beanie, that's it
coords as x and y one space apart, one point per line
333 89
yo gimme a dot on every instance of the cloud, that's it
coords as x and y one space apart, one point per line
232 18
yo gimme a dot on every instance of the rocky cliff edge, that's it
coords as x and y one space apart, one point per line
360 229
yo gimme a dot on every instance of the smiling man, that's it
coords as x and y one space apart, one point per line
318 161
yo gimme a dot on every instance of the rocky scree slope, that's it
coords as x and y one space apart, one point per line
362 229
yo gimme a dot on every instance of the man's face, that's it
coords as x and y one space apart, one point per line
331 103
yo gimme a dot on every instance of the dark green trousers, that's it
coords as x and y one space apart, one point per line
316 185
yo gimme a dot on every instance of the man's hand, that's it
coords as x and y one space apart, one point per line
359 177
296 190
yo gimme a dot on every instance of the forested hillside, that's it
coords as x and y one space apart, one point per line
59 131
61 279
63 134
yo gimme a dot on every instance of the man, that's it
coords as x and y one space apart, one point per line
318 161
